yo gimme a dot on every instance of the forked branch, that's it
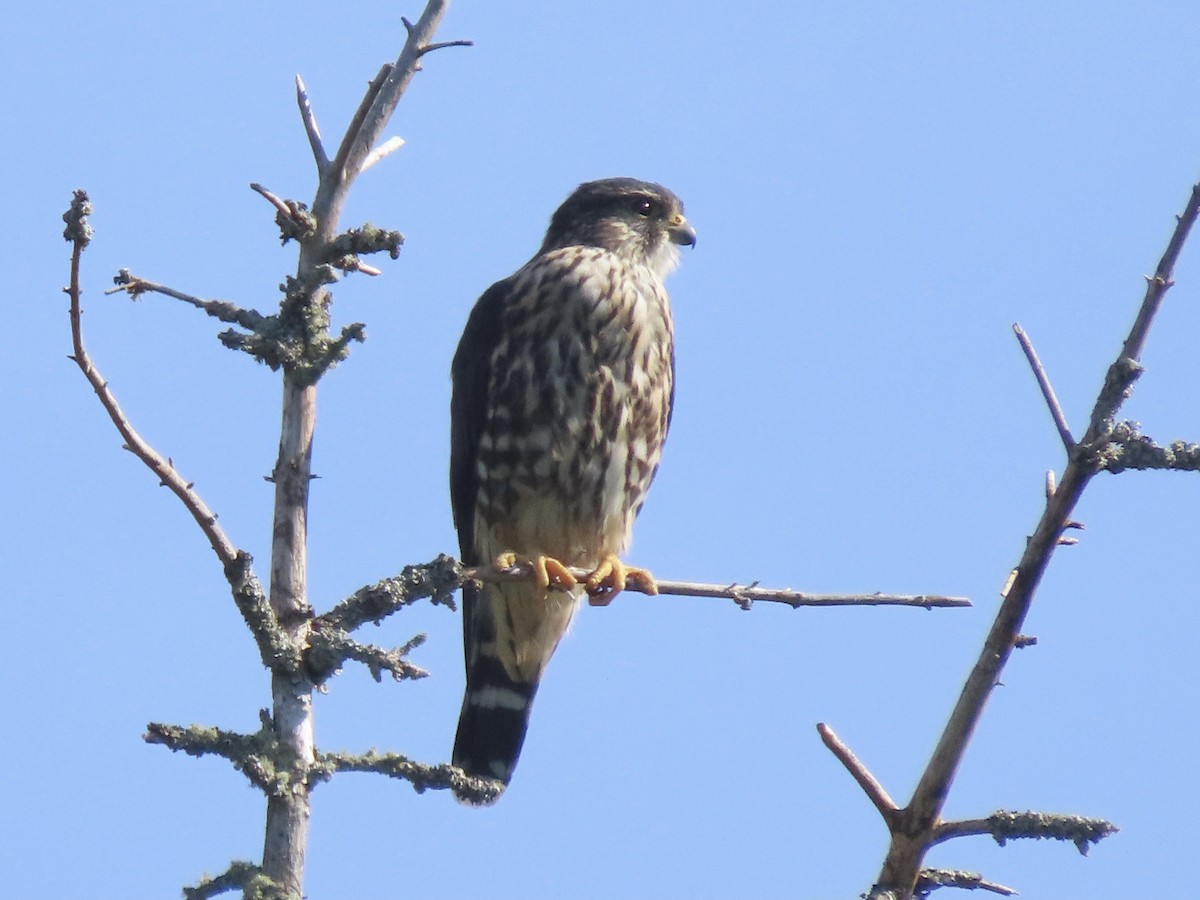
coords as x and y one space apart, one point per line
916 827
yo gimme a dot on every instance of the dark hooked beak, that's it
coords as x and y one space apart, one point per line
681 232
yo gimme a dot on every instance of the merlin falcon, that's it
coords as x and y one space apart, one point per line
562 389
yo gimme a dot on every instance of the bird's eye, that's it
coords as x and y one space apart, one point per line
644 207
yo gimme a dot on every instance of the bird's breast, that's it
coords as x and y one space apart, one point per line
580 392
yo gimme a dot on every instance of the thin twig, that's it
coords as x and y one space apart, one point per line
1162 279
391 145
364 137
163 468
310 126
275 200
429 48
441 577
294 220
860 773
932 879
1121 375
330 648
742 594
248 594
219 309
355 264
340 170
442 45
1056 411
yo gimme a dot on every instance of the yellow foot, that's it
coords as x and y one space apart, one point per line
546 570
610 578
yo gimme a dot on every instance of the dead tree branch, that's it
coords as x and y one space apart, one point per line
1004 826
1039 372
309 118
870 785
79 233
240 876
915 828
254 755
422 777
282 759
440 578
304 317
247 591
932 879
218 309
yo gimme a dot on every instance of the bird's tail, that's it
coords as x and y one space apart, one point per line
510 633
492 724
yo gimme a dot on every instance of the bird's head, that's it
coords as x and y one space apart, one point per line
640 220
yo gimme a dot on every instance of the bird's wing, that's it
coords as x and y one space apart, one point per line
470 375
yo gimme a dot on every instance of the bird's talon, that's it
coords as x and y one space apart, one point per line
556 573
642 579
611 577
547 570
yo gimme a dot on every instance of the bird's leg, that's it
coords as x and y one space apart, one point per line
610 577
546 570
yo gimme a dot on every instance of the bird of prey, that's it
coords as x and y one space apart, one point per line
562 389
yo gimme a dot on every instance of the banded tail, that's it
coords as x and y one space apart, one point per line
493 721
511 632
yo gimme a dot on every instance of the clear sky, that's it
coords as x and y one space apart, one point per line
880 191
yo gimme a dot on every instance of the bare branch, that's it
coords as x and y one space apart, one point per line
341 171
274 647
743 595
1056 412
254 755
274 199
371 126
875 791
218 309
931 879
1004 826
329 648
440 578
246 877
916 827
422 777
366 239
354 264
134 443
1118 381
293 218
304 313
310 127
429 48
391 145
437 580
1128 448
1162 279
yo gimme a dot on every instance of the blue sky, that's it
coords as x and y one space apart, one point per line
880 191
